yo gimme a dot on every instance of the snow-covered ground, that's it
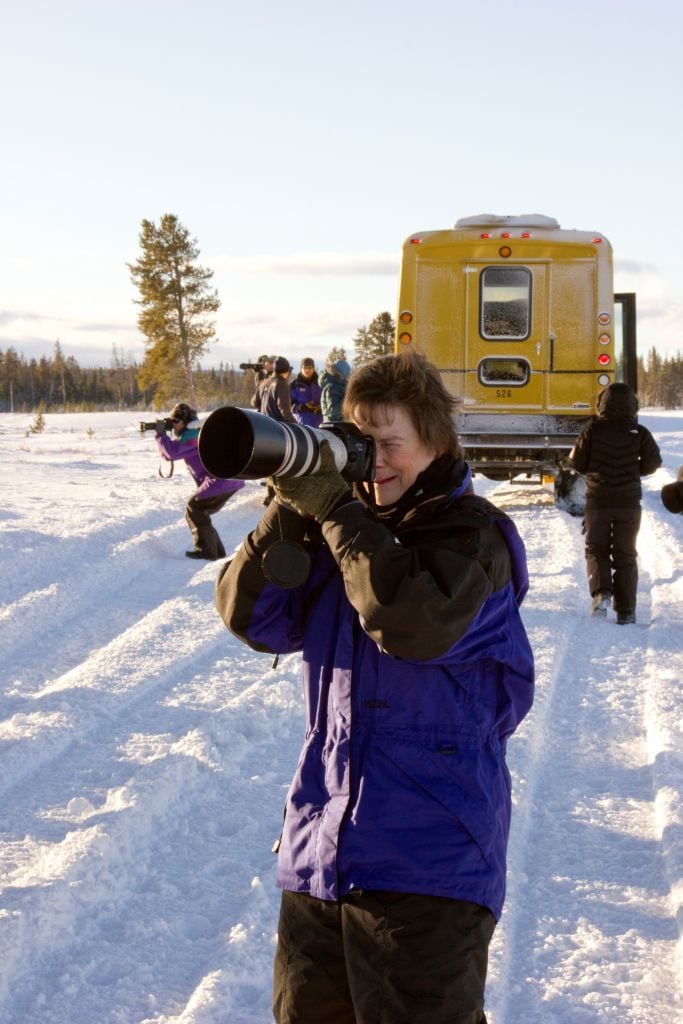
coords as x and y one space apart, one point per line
145 753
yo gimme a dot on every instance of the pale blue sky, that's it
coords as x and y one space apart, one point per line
301 143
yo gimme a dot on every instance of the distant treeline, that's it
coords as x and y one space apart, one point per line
58 383
660 380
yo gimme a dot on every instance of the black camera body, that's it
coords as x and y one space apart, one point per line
168 425
256 367
240 444
360 450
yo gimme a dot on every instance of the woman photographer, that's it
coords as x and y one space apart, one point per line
212 493
416 670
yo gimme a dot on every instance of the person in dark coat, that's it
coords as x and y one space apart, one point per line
672 494
416 671
614 451
212 493
262 379
305 391
276 400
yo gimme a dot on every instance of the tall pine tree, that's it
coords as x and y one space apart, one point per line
176 304
375 340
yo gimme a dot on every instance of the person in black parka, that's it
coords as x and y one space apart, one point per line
614 451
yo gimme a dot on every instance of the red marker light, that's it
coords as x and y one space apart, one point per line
526 234
604 359
506 234
485 234
597 239
416 241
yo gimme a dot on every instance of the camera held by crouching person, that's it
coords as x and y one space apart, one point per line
144 426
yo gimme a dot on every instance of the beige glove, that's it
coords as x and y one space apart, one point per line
314 496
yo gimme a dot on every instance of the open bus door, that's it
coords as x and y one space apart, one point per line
626 359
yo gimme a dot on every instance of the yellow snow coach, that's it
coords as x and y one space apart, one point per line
520 317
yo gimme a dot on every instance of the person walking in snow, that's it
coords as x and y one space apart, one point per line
614 451
416 671
212 493
333 382
305 392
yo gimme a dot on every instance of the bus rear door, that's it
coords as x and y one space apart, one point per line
506 336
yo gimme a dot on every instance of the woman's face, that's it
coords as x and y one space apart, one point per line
401 455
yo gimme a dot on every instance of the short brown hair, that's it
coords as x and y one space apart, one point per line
406 379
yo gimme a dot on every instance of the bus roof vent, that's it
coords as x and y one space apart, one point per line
493 220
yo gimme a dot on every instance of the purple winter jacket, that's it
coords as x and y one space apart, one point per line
306 393
185 448
416 670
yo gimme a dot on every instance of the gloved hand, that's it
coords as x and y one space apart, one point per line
312 407
160 426
314 495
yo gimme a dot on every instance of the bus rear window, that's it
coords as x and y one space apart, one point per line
494 372
505 303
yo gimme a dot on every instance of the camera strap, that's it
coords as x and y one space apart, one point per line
166 476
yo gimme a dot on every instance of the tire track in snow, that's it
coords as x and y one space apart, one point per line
42 631
192 786
573 826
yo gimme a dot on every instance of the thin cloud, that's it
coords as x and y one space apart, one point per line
10 316
105 328
627 266
315 264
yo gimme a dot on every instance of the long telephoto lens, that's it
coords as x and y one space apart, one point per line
239 444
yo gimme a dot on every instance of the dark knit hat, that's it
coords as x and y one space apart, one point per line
182 411
281 365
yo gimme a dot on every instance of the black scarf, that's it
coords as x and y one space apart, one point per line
438 481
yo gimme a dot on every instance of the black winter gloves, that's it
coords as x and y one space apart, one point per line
316 495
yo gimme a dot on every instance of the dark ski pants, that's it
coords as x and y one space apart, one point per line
198 512
381 958
611 556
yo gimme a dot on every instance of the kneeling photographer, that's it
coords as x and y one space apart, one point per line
416 669
212 493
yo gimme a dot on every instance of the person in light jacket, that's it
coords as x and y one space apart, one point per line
212 493
333 382
416 671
